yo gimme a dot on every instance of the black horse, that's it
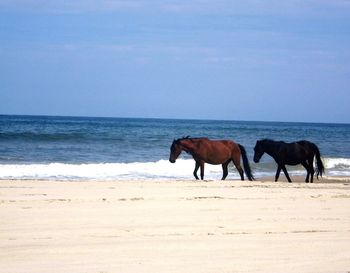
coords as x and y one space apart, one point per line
301 152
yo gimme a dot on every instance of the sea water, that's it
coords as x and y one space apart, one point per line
77 148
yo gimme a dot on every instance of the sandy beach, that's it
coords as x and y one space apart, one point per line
174 226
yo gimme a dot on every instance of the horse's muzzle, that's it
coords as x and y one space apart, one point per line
172 160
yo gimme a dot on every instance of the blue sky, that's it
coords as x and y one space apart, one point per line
237 60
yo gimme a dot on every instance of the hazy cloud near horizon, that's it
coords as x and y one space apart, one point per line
242 7
251 60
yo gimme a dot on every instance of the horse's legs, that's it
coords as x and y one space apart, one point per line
278 173
224 170
309 166
237 162
308 171
202 169
240 170
306 166
286 173
312 174
196 169
312 170
199 164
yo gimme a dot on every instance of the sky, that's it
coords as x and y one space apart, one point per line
262 60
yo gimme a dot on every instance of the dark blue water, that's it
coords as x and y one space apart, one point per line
26 140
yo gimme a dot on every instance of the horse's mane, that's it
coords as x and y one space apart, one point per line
189 138
268 140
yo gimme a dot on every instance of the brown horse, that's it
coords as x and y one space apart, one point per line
204 150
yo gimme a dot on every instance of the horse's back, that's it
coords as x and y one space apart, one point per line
304 142
226 143
219 151
301 150
309 146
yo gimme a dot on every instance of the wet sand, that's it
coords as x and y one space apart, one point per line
175 226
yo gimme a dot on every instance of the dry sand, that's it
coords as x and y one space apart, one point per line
174 226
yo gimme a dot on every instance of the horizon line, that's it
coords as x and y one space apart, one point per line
171 118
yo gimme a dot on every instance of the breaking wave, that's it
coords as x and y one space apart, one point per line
162 169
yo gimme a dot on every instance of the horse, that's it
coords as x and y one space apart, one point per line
204 150
300 152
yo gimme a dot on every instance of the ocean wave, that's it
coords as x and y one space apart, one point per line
162 169
341 163
33 136
337 166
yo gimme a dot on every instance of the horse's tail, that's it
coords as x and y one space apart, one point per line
246 166
319 163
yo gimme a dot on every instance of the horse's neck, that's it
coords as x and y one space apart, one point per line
189 146
271 149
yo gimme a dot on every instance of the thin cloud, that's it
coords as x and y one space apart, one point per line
232 7
67 6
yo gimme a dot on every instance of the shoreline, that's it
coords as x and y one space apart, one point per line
175 226
262 179
153 170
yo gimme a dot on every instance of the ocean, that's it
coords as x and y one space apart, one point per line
90 148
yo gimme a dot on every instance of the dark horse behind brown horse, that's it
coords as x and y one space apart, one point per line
300 152
204 150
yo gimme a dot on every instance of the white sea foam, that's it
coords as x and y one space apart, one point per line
337 162
337 166
162 169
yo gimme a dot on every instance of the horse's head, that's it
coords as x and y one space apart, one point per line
175 150
258 151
